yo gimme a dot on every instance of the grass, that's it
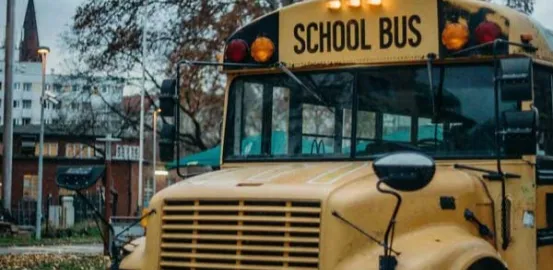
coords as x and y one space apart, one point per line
77 237
52 262
29 240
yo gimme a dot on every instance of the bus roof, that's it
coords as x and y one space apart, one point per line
310 34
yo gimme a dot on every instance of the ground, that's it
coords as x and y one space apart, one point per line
78 250
53 262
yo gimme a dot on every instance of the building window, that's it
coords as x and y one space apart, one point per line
27 104
27 87
50 149
75 88
99 149
16 104
78 150
1 85
16 86
58 87
30 187
26 120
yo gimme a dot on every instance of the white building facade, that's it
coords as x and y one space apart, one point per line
78 97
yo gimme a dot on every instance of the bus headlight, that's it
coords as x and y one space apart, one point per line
455 36
262 49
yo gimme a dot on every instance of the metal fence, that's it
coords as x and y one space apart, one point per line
24 211
83 212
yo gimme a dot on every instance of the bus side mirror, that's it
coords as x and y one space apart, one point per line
519 132
167 98
167 143
516 79
405 171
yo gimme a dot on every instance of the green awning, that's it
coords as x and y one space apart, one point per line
206 158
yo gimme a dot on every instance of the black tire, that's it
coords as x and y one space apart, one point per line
487 264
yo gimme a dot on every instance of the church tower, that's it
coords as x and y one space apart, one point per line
29 42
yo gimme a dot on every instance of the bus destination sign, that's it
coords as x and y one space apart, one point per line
389 33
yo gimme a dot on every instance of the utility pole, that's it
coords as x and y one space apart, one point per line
43 51
142 93
8 106
108 186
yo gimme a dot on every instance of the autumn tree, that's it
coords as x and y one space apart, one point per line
107 37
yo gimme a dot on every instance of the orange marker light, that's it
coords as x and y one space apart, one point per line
334 4
262 49
455 36
144 222
354 3
374 2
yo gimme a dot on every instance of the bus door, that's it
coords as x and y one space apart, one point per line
543 100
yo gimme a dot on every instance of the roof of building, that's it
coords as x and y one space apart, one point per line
28 51
54 131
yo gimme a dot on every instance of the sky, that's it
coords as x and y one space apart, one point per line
54 17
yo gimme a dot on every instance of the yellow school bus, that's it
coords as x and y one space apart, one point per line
373 134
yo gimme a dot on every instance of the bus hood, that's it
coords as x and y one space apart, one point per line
308 180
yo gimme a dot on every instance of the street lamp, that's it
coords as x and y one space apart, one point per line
156 112
43 51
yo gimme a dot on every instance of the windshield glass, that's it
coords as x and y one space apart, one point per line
272 117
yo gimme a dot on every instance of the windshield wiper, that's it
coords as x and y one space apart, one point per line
305 87
430 68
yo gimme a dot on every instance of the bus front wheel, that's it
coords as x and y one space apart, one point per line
487 264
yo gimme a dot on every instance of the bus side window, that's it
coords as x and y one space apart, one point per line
281 121
396 128
366 129
252 117
543 100
318 130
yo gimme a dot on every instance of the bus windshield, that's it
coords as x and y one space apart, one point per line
363 113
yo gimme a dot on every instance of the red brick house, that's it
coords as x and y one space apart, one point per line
69 150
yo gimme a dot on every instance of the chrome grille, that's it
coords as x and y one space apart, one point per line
241 234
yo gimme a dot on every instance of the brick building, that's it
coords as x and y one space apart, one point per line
68 150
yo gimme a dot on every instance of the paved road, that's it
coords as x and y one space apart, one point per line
94 249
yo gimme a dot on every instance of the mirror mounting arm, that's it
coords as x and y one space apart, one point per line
389 235
337 215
